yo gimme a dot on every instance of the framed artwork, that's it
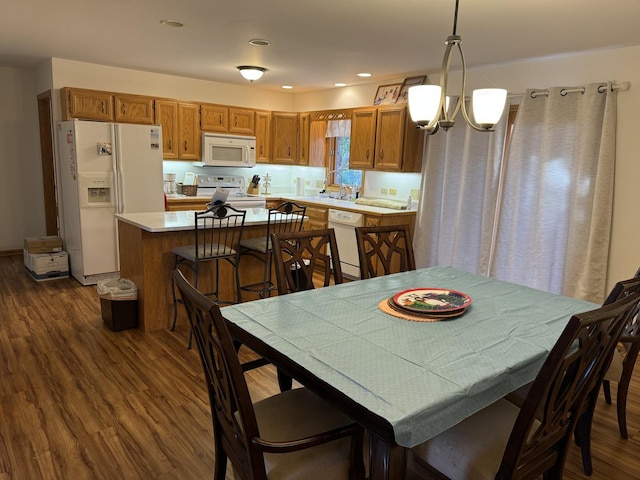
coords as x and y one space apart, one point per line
387 94
403 96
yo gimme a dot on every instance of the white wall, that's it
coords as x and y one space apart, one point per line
21 191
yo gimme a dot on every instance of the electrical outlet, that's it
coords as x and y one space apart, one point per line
415 193
384 191
392 191
319 184
307 182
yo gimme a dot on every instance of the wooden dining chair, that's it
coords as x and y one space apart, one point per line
291 435
384 249
298 255
217 233
503 441
623 362
619 368
286 217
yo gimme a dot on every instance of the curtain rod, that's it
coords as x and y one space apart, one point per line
622 87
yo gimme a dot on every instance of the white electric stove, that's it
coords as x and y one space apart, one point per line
235 185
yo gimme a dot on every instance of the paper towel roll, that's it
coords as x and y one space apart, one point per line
299 186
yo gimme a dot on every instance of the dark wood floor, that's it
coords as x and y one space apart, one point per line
78 401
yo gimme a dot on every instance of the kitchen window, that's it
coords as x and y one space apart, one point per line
338 135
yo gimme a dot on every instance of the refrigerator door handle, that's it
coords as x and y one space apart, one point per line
117 168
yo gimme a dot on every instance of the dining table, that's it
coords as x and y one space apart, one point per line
406 380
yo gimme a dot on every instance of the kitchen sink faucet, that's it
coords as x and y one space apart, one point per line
341 193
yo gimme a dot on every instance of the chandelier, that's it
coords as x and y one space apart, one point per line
429 104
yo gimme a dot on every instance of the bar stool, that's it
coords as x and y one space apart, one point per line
286 217
218 231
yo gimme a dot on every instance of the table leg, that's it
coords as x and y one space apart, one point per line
388 461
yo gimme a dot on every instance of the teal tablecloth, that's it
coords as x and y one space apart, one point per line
422 377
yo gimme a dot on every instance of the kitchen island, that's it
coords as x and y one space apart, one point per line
145 243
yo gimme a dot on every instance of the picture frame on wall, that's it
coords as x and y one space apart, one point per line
387 94
409 82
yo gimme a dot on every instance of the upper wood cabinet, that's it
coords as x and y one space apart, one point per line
304 129
86 104
242 121
134 109
214 118
263 136
385 139
166 115
284 133
363 138
223 119
188 131
318 150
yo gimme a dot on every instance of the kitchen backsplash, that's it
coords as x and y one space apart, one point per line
388 185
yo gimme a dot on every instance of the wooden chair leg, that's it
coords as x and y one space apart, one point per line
621 402
606 388
284 381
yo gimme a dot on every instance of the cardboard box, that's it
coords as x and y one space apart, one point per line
47 266
43 244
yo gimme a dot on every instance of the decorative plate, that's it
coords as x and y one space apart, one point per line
434 301
425 314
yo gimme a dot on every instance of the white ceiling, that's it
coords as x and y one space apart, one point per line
314 44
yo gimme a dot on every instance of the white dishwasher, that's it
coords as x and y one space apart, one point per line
344 224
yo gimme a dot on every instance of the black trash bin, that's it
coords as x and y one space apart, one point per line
118 303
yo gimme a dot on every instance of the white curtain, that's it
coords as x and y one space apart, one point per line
459 185
554 217
338 128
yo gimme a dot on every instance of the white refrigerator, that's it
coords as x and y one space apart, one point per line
106 168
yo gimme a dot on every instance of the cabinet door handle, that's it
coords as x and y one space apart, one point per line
367 154
102 106
381 154
289 154
261 150
123 109
220 119
235 122
169 144
185 145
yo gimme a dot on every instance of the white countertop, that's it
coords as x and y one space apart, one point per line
182 220
343 204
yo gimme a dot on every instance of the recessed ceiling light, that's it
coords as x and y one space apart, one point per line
287 87
259 42
339 84
364 74
172 23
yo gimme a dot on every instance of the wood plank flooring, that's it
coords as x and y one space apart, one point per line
78 401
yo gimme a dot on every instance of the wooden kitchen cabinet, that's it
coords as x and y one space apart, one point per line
385 139
214 118
263 136
304 128
284 134
188 131
166 115
318 217
86 104
242 121
134 109
363 138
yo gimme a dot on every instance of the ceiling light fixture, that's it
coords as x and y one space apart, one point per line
172 23
364 74
287 87
259 42
428 104
251 73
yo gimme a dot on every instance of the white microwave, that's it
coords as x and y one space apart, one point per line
219 150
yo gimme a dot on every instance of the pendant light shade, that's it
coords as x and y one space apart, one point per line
429 104
251 73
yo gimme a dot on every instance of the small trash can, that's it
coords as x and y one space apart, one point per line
119 303
299 279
